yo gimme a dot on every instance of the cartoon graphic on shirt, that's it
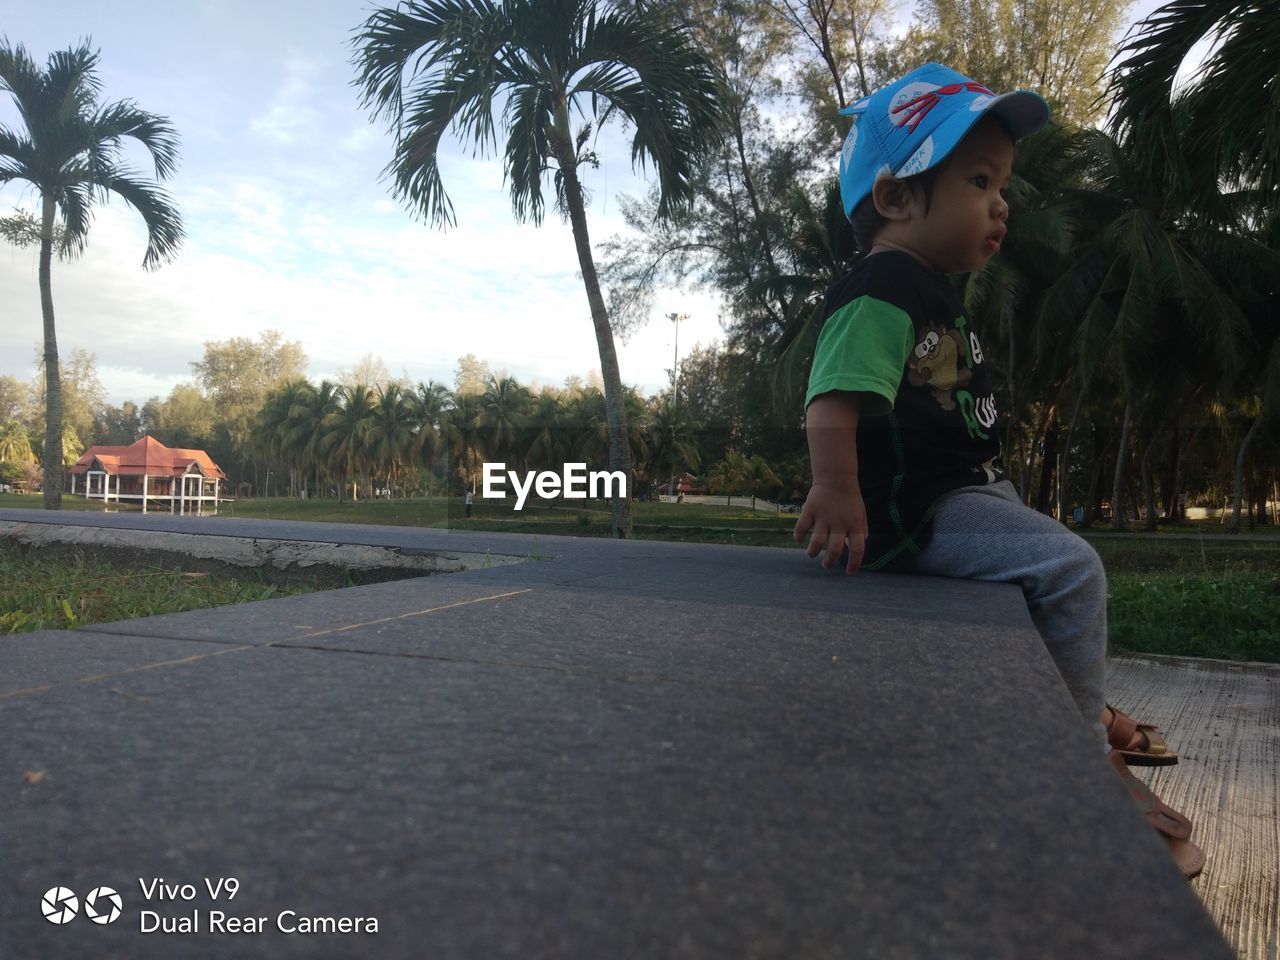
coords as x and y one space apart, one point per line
937 363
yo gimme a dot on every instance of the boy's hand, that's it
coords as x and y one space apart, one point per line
836 517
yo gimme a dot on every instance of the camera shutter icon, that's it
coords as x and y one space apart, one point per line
59 905
102 905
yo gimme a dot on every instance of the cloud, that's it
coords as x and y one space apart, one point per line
344 281
290 116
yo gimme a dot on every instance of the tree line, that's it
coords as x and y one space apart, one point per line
275 431
401 441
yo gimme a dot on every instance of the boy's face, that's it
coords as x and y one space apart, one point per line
964 226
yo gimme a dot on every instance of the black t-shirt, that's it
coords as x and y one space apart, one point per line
897 333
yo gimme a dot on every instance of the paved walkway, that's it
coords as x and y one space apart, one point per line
618 749
1224 721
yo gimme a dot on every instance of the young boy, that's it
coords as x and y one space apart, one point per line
901 419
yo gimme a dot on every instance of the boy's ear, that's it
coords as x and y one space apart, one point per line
894 199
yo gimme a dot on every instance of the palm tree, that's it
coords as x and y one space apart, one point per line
759 478
71 447
1230 133
345 440
729 476
675 442
502 415
546 59
71 154
549 432
308 430
1149 293
15 447
431 403
795 474
462 436
589 414
277 426
391 435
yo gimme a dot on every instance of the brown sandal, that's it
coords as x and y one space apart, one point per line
1121 732
1174 828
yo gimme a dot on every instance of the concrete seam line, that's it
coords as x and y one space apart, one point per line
13 694
401 616
129 634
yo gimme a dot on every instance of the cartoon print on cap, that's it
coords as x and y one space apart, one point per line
850 142
906 96
919 160
935 363
913 102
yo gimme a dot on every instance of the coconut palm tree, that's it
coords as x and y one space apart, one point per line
549 432
542 60
759 478
1230 133
15 447
795 474
729 476
72 447
675 443
277 426
71 153
463 438
1148 293
502 417
391 435
345 438
588 414
308 430
431 403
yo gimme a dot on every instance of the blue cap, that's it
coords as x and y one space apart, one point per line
912 125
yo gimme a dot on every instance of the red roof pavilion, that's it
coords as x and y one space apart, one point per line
148 472
147 457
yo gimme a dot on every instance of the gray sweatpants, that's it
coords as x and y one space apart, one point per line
988 533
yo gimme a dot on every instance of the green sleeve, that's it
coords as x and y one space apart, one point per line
863 348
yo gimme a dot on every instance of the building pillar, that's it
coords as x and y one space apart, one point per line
144 493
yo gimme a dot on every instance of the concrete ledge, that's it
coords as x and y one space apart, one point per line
282 559
630 749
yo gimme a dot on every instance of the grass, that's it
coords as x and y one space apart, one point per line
57 590
33 501
1197 598
1170 592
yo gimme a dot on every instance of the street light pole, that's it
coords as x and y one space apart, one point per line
675 394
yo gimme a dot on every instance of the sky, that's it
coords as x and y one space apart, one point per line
291 227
